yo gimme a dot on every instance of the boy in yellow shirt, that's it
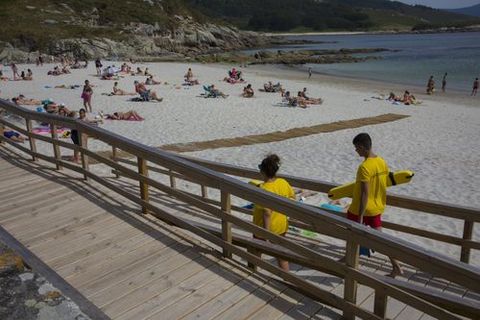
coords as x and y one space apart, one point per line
370 191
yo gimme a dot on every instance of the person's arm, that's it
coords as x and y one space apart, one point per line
267 214
364 186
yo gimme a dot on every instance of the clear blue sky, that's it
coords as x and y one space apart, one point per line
444 3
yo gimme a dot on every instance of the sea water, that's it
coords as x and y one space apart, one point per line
413 59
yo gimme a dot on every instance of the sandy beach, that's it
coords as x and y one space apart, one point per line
437 141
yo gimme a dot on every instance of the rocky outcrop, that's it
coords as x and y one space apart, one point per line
184 38
295 57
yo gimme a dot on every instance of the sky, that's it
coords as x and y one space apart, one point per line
443 3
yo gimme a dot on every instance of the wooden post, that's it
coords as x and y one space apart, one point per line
204 191
83 143
114 158
143 170
33 146
2 127
226 226
173 182
350 289
380 304
467 235
56 148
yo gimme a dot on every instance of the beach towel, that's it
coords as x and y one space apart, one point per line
47 130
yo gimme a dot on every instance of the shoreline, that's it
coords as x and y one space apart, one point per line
378 32
363 84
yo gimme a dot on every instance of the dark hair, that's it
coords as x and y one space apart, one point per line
82 110
270 165
364 140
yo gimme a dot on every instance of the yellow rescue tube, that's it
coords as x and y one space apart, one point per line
394 178
256 183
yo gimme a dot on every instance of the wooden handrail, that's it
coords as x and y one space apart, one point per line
315 218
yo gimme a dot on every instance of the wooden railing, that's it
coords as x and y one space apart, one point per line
437 304
468 215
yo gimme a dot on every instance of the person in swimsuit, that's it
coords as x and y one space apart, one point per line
14 136
129 116
475 87
146 94
87 96
116 91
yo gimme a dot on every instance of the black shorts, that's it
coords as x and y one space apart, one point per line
75 138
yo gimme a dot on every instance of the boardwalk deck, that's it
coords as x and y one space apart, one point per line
137 267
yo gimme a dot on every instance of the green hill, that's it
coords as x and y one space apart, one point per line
190 27
312 15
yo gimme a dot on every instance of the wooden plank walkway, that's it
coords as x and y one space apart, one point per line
133 266
273 136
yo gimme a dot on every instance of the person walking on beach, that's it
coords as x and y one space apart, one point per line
87 96
14 68
309 73
430 85
370 191
475 87
273 221
99 66
444 82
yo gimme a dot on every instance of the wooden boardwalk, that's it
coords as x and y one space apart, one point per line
275 136
134 266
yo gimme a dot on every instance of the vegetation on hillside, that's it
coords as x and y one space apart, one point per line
35 23
314 15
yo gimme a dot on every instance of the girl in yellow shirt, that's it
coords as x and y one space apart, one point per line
273 221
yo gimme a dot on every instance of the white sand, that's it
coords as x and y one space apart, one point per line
439 141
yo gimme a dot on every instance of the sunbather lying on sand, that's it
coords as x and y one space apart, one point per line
55 72
301 96
129 116
407 99
146 94
21 100
270 87
293 101
116 91
13 135
150 81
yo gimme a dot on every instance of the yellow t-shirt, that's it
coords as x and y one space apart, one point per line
375 172
278 221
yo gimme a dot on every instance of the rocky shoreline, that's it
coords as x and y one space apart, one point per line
187 41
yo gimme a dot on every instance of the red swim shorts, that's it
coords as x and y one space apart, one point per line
373 221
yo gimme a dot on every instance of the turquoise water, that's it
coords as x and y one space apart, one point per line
419 56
